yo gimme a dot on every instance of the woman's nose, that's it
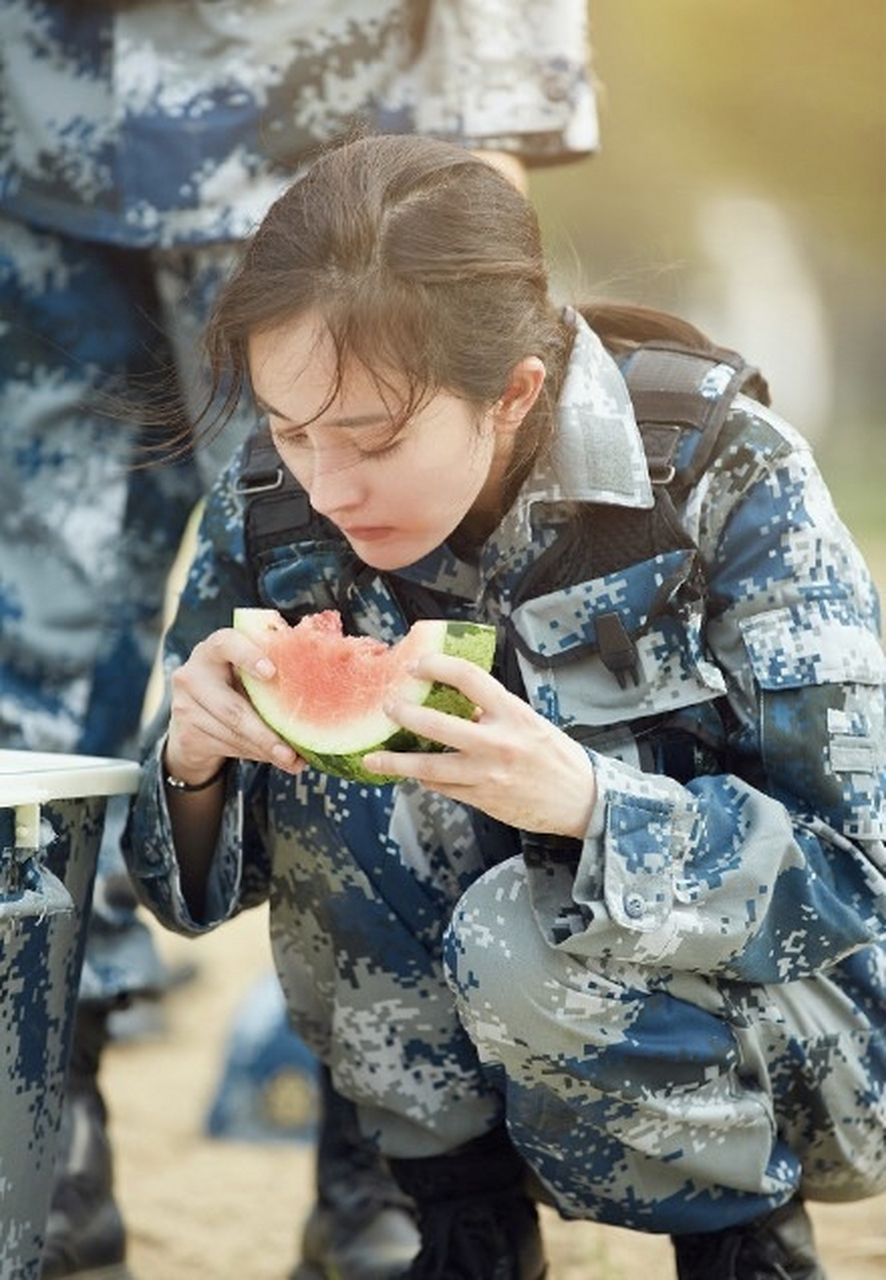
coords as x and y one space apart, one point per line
334 484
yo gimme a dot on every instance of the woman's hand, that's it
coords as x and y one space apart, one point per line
211 717
508 761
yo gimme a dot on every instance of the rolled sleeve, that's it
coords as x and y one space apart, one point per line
633 854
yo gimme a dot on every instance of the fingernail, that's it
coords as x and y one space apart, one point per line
265 668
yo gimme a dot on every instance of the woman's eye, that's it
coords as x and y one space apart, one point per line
382 449
289 439
363 445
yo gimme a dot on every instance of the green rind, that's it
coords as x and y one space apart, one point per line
474 641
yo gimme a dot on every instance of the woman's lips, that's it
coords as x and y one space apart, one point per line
367 533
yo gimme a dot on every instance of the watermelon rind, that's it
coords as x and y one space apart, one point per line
341 753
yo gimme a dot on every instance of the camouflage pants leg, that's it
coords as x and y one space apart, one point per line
665 1101
87 536
356 933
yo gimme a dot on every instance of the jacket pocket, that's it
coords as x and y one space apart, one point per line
616 648
795 646
819 680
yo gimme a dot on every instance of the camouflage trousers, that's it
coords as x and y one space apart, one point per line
92 335
653 1099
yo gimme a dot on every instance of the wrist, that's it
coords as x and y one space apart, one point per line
176 783
579 798
188 779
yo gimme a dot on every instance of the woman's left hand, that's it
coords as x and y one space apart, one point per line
507 761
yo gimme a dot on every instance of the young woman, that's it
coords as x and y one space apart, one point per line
621 946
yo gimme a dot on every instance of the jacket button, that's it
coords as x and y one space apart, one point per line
634 905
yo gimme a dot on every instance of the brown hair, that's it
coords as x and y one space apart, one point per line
423 262
420 259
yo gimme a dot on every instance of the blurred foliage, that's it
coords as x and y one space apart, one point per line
781 100
785 97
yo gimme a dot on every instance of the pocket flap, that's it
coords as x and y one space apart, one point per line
562 624
812 644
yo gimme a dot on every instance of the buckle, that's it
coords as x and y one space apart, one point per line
661 473
260 482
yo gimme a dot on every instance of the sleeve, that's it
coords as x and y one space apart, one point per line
777 869
240 873
504 77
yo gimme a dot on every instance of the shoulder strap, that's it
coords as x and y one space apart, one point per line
276 507
674 388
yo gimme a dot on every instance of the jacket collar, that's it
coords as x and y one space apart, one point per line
597 456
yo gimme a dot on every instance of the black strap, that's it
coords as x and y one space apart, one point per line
617 649
277 508
666 381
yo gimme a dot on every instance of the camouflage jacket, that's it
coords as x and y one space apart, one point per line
763 862
172 121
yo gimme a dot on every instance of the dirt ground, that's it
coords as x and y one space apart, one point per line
226 1210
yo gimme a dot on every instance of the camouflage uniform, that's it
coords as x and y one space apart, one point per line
139 142
682 1016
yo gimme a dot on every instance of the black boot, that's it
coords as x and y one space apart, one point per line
778 1246
362 1226
85 1237
476 1221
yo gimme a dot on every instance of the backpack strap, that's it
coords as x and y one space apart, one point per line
674 390
276 507
276 513
674 387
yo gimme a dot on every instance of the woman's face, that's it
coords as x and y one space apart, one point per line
395 497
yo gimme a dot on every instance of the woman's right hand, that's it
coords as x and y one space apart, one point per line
211 717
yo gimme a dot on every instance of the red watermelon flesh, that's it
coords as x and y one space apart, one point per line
328 696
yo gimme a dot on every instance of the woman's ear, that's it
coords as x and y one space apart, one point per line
524 384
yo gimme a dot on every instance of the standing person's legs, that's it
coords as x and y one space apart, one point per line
87 533
86 538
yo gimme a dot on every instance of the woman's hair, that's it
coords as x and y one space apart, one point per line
423 263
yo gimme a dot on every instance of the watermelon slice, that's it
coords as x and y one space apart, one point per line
328 695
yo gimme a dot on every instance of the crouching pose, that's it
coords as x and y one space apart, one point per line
620 947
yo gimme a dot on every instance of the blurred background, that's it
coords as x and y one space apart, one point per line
742 183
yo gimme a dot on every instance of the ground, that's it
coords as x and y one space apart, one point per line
225 1210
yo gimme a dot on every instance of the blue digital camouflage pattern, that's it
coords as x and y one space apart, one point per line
47 865
139 142
682 1017
88 532
183 119
43 891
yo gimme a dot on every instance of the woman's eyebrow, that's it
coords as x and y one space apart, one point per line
361 419
348 420
264 407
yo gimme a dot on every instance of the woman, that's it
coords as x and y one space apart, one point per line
621 946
